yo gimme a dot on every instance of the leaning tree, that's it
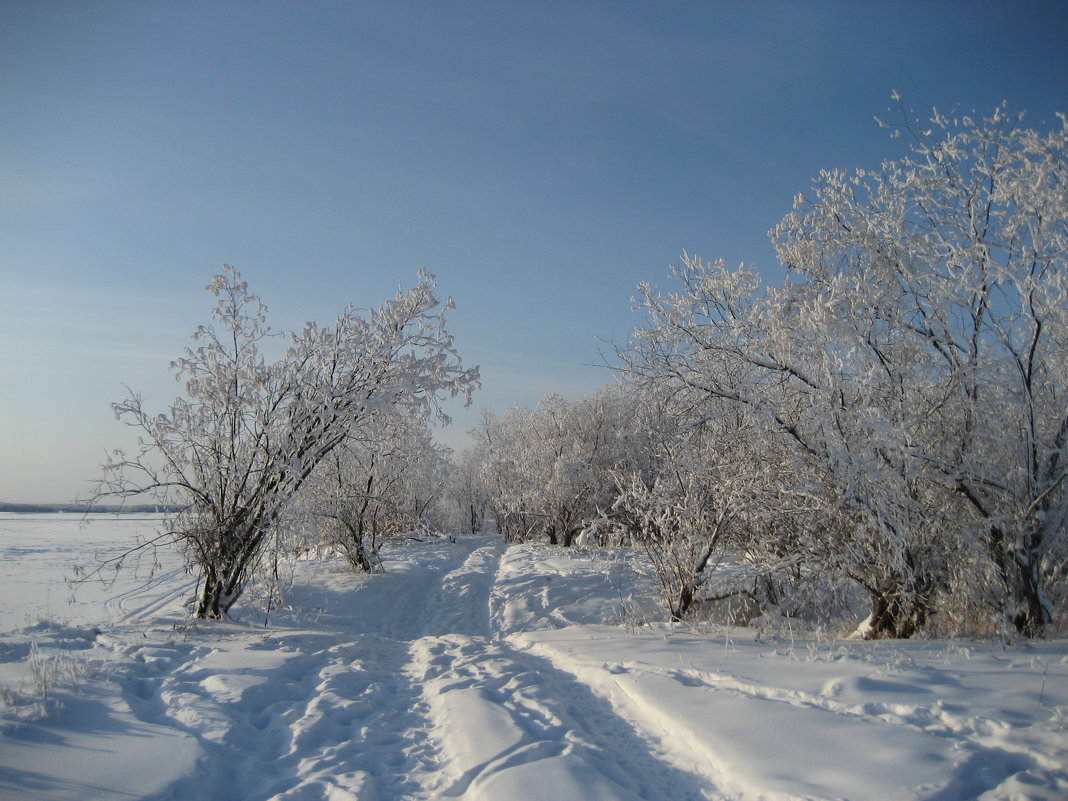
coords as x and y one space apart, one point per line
233 451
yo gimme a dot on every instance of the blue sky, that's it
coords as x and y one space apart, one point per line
539 158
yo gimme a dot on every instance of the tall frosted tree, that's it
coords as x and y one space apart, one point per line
914 364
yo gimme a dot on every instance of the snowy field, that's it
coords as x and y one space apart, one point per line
474 671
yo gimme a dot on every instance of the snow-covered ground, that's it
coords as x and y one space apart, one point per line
474 671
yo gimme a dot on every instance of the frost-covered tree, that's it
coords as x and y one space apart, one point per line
505 471
387 478
958 256
548 472
681 518
706 505
911 367
466 494
235 450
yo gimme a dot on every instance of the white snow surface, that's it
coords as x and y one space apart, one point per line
475 671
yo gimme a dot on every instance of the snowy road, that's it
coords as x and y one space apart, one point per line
403 691
469 671
403 688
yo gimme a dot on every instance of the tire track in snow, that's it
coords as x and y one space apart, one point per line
338 722
461 604
158 592
508 720
510 724
950 726
300 714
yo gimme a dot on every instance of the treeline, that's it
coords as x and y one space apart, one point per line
890 422
892 419
84 508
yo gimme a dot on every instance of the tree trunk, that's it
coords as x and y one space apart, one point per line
1019 574
225 571
356 549
895 613
1032 613
685 602
210 595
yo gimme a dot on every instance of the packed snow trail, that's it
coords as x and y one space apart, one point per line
400 689
510 725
